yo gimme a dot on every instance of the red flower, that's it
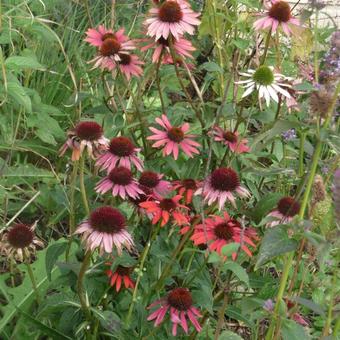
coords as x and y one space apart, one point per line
186 187
165 208
219 231
121 275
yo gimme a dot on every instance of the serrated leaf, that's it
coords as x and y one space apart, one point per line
274 243
211 67
19 95
23 63
52 254
237 270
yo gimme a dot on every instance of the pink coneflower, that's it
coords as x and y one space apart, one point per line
119 276
165 208
86 135
104 229
121 182
278 14
95 37
220 186
121 152
217 232
182 47
286 209
154 181
129 65
171 17
186 188
111 52
180 303
231 139
173 137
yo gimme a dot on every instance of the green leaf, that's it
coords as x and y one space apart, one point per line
276 130
236 314
229 335
211 67
52 254
22 63
275 242
310 304
266 204
230 248
44 328
237 270
290 330
19 95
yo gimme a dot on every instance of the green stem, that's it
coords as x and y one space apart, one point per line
159 283
72 220
264 56
140 272
290 257
31 275
301 153
158 82
174 59
80 284
326 329
82 185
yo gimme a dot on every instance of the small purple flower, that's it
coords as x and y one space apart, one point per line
289 135
325 170
268 305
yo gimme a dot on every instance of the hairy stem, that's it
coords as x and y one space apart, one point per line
82 185
80 285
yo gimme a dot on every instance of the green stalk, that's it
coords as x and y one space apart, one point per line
326 329
264 56
301 153
289 259
80 284
158 82
140 271
31 275
72 222
82 185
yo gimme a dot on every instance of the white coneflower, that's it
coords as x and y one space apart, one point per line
266 82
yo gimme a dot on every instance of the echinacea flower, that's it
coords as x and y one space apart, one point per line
173 137
286 209
231 139
121 152
182 47
173 17
121 182
19 242
129 65
220 186
95 37
278 15
219 231
165 208
105 229
186 188
266 82
86 135
111 52
180 303
119 276
154 181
